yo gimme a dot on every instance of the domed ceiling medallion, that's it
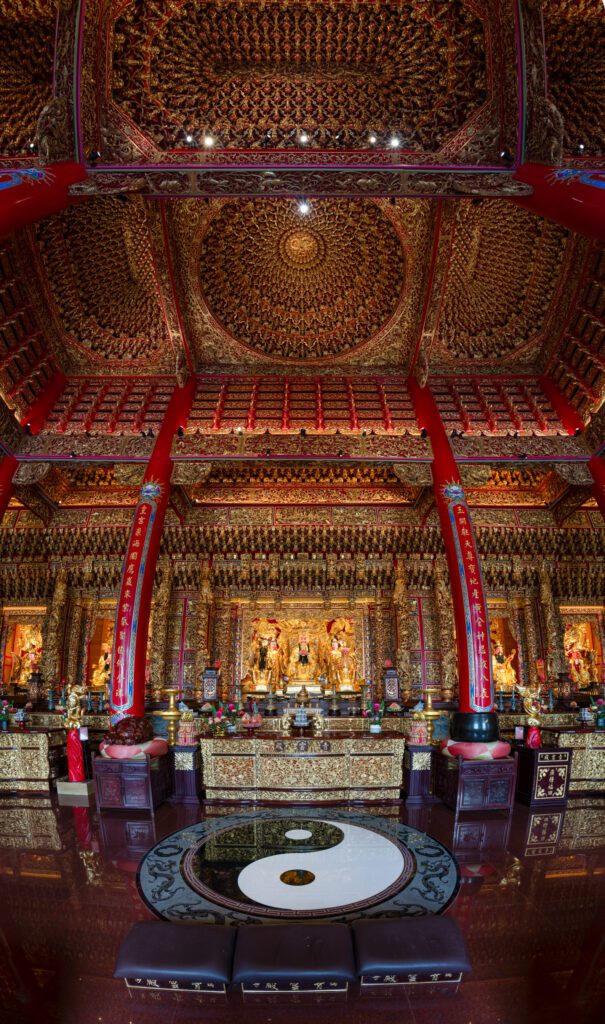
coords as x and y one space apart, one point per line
297 286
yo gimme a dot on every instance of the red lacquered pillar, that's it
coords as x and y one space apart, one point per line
134 605
570 196
475 721
7 472
596 466
28 194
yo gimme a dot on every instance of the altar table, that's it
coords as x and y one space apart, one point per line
294 769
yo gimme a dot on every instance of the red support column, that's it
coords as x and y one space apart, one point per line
596 466
562 406
475 719
134 604
37 414
7 472
28 194
569 196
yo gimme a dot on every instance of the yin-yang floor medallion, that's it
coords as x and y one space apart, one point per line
285 864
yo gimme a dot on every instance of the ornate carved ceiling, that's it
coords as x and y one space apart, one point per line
132 284
336 71
96 271
575 57
302 287
508 283
26 70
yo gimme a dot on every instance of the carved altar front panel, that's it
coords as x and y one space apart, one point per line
288 769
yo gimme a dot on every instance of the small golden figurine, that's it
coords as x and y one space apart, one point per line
532 706
73 707
531 703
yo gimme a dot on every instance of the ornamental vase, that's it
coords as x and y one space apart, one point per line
375 728
600 720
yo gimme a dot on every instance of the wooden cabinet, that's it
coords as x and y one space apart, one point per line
137 785
544 776
476 785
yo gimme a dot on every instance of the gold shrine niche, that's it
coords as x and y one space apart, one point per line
282 651
583 645
22 648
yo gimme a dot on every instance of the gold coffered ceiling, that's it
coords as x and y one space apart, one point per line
336 70
301 287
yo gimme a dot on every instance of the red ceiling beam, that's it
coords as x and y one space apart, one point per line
572 197
30 194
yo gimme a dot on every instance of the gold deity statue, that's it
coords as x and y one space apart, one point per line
341 665
302 663
580 655
73 707
505 677
266 667
101 675
27 661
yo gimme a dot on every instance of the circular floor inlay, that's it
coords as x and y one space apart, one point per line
297 876
288 864
298 833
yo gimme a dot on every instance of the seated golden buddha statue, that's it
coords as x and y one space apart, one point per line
302 668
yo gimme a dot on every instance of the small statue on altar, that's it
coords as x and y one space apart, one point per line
532 706
505 677
102 673
73 707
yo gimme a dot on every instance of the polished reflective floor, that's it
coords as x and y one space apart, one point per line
531 904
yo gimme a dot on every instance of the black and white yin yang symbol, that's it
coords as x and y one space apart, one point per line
284 864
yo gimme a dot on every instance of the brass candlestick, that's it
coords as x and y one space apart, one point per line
171 715
429 715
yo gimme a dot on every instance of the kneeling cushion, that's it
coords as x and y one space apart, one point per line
196 958
294 958
476 751
409 951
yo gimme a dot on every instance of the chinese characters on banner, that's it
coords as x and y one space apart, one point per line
476 620
129 605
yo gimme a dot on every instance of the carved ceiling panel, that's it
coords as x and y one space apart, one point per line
261 282
505 276
26 70
302 287
97 269
336 71
575 57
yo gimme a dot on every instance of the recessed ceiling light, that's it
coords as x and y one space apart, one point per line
303 137
372 140
394 142
304 207
189 138
208 141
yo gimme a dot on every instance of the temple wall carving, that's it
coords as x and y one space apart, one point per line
399 609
